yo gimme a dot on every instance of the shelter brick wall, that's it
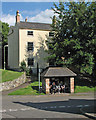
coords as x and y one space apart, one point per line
47 85
72 84
14 83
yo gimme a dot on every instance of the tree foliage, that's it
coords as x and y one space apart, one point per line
74 42
4 28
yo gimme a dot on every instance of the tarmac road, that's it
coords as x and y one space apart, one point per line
46 106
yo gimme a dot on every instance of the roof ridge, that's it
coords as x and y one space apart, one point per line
61 72
34 23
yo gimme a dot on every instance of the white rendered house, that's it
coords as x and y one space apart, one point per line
26 41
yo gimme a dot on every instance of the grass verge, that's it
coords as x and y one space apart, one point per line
8 75
31 89
81 89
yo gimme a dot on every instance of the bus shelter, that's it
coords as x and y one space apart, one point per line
57 75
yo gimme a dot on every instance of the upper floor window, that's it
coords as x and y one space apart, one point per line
51 34
30 46
30 61
30 33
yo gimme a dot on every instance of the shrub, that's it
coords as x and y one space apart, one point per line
29 72
23 65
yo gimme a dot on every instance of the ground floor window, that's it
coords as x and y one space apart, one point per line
30 61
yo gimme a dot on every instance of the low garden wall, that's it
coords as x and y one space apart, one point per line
12 84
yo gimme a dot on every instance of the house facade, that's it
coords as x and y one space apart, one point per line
0 50
26 41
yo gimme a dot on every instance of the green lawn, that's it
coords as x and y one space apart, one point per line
80 89
8 75
31 89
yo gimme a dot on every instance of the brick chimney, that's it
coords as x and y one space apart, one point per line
17 17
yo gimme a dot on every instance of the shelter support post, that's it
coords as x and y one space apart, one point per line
71 84
47 80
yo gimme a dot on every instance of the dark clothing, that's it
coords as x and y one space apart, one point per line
53 89
54 86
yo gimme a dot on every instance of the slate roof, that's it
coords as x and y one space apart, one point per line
58 72
32 25
11 30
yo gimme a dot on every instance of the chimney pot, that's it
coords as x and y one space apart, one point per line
17 17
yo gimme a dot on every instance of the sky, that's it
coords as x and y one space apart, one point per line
34 11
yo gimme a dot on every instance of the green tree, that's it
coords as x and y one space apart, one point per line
74 42
4 29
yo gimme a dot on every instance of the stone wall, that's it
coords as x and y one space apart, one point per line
14 83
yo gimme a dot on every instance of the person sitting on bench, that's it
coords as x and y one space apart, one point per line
53 88
63 88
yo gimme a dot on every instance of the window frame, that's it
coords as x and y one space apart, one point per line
51 34
30 65
30 49
30 33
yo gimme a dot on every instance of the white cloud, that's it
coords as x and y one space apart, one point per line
43 17
10 19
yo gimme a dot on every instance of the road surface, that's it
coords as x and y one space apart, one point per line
46 106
